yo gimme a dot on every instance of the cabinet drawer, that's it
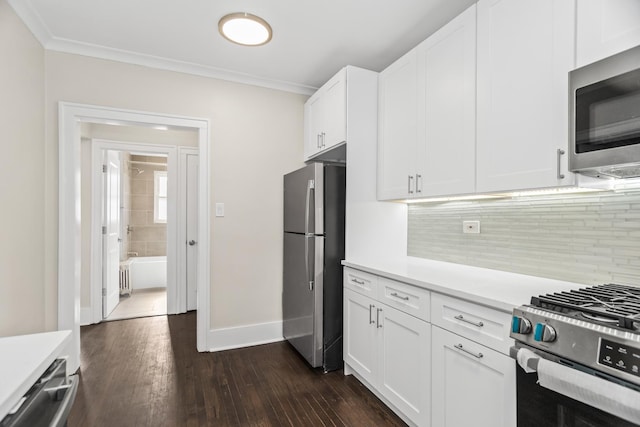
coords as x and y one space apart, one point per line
478 323
361 282
407 298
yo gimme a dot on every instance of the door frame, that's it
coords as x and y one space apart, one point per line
104 207
182 221
99 145
70 115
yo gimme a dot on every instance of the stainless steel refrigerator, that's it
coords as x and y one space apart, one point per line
314 204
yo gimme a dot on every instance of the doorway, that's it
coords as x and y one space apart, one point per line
70 223
134 261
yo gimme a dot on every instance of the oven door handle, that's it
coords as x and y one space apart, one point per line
61 415
608 396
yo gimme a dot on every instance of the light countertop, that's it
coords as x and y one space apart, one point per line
497 289
23 359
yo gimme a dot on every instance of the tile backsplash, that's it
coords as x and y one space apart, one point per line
587 238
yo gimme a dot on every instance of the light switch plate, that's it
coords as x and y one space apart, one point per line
220 209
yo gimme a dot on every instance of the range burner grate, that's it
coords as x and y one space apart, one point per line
609 302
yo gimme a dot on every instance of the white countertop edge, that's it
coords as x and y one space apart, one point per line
496 289
38 351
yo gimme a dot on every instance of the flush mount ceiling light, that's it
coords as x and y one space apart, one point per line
245 29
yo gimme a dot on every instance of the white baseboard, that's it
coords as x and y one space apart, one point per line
244 336
85 316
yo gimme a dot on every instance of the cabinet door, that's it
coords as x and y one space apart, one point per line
606 27
404 351
335 110
360 351
447 69
397 128
313 119
525 50
472 384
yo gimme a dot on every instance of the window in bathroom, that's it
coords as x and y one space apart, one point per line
160 197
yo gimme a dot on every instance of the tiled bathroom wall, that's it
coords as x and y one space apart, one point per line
586 238
146 238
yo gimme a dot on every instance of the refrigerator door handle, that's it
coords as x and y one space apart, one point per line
309 271
307 208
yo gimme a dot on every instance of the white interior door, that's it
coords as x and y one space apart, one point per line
192 230
111 233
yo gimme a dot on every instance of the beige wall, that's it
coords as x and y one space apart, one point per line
256 137
22 175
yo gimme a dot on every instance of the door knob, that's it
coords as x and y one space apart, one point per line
192 242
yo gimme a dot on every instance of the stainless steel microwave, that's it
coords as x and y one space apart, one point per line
604 99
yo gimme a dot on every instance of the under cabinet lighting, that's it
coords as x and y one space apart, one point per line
245 29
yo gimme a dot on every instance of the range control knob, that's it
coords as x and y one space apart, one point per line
520 325
544 333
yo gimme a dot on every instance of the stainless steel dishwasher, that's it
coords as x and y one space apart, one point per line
48 402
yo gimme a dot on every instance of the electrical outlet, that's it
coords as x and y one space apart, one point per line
471 227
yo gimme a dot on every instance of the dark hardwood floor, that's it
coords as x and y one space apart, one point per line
147 372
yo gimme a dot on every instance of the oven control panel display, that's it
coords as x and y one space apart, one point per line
619 356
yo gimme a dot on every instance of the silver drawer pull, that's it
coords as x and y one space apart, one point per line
395 294
371 307
378 324
359 282
478 324
476 355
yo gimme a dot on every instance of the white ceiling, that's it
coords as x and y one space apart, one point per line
312 40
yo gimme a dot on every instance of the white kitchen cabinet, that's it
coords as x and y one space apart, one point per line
398 128
525 50
426 120
404 353
339 112
447 109
360 334
605 27
326 116
472 385
387 347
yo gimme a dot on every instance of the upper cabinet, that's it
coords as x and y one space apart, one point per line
331 115
525 51
426 119
326 116
447 69
398 128
606 27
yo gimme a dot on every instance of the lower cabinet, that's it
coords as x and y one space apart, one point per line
472 385
437 360
391 351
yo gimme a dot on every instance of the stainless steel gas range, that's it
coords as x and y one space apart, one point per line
579 358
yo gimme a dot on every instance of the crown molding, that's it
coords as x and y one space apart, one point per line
32 20
86 49
42 33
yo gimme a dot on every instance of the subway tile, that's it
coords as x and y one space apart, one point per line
578 237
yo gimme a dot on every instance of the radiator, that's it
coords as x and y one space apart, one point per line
125 279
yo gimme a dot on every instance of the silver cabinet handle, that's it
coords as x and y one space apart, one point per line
560 153
371 307
318 141
395 294
410 184
418 183
378 324
358 282
476 355
323 135
460 317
